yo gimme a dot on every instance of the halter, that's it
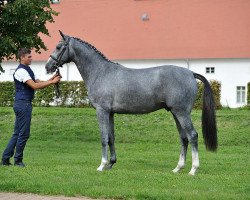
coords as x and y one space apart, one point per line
59 57
57 65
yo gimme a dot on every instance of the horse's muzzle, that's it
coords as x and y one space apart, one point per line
50 70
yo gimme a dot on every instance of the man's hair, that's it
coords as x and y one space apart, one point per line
22 52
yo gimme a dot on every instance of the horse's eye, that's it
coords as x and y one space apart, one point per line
58 47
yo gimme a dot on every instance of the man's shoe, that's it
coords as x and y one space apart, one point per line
6 163
19 164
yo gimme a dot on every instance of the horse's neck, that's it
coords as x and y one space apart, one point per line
88 63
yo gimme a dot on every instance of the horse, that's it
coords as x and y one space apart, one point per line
113 88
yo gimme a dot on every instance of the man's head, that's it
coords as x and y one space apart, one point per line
25 56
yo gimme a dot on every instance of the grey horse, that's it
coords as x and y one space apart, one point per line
113 88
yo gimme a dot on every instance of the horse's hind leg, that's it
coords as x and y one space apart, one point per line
184 146
185 122
112 142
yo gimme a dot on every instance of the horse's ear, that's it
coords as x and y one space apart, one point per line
61 33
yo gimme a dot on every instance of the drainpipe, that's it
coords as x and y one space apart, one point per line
67 72
188 66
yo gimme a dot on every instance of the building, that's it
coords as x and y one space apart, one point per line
209 37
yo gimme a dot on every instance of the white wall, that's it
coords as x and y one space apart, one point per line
230 72
40 72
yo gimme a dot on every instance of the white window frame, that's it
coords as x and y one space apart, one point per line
240 94
55 1
210 70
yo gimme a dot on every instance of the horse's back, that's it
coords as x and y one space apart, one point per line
127 90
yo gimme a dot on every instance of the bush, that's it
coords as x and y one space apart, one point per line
248 95
216 87
7 93
74 94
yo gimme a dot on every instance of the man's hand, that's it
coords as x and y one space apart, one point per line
55 79
55 75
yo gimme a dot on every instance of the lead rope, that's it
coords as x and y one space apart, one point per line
57 65
57 87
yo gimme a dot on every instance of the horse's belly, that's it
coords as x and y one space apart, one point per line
134 110
137 106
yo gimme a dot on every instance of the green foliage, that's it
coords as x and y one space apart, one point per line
216 87
74 94
248 94
64 151
21 21
7 93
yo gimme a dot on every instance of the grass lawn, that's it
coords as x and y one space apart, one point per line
64 151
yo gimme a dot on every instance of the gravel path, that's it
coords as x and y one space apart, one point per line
27 196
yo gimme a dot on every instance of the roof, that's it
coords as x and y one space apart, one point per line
155 29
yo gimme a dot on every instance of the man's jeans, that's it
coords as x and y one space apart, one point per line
23 110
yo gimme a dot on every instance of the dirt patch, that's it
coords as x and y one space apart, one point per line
27 196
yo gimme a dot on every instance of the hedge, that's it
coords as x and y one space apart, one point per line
216 87
248 94
74 94
6 93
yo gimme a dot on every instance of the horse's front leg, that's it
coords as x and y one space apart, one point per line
105 129
112 141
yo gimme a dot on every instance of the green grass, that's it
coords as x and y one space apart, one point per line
64 152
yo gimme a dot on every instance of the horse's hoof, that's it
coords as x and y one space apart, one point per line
109 166
99 169
193 171
177 169
103 167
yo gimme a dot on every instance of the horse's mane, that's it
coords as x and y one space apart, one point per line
95 49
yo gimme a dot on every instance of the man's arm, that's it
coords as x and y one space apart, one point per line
38 81
42 84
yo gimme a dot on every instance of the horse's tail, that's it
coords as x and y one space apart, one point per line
209 128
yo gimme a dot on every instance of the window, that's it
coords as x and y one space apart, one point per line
240 94
210 70
55 1
145 17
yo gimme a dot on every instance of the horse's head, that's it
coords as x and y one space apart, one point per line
60 55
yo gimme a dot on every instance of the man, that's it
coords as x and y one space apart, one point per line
25 85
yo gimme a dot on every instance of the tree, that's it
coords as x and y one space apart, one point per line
21 21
